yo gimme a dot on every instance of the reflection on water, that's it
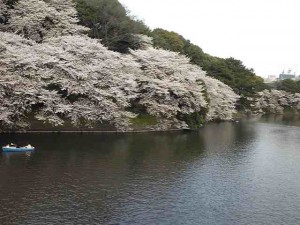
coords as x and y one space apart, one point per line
291 119
227 173
11 154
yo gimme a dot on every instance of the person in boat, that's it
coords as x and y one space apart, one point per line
28 146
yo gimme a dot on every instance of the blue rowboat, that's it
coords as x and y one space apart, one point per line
15 149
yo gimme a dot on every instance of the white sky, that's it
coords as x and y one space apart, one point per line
264 34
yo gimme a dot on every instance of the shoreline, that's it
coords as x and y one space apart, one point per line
86 131
234 120
237 119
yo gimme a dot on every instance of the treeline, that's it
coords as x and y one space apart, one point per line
288 86
111 22
52 73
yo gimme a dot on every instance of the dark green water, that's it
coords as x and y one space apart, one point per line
227 173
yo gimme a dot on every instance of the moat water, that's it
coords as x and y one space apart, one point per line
226 173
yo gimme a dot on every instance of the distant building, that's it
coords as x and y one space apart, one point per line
283 76
271 78
287 75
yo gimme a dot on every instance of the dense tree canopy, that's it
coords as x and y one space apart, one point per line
109 21
52 72
173 88
68 77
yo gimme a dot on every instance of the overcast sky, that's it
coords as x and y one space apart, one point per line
264 34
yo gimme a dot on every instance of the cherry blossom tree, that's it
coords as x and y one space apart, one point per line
275 101
39 20
93 83
221 98
170 86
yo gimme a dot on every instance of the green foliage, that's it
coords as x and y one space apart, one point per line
10 3
288 85
109 21
143 120
194 120
168 40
